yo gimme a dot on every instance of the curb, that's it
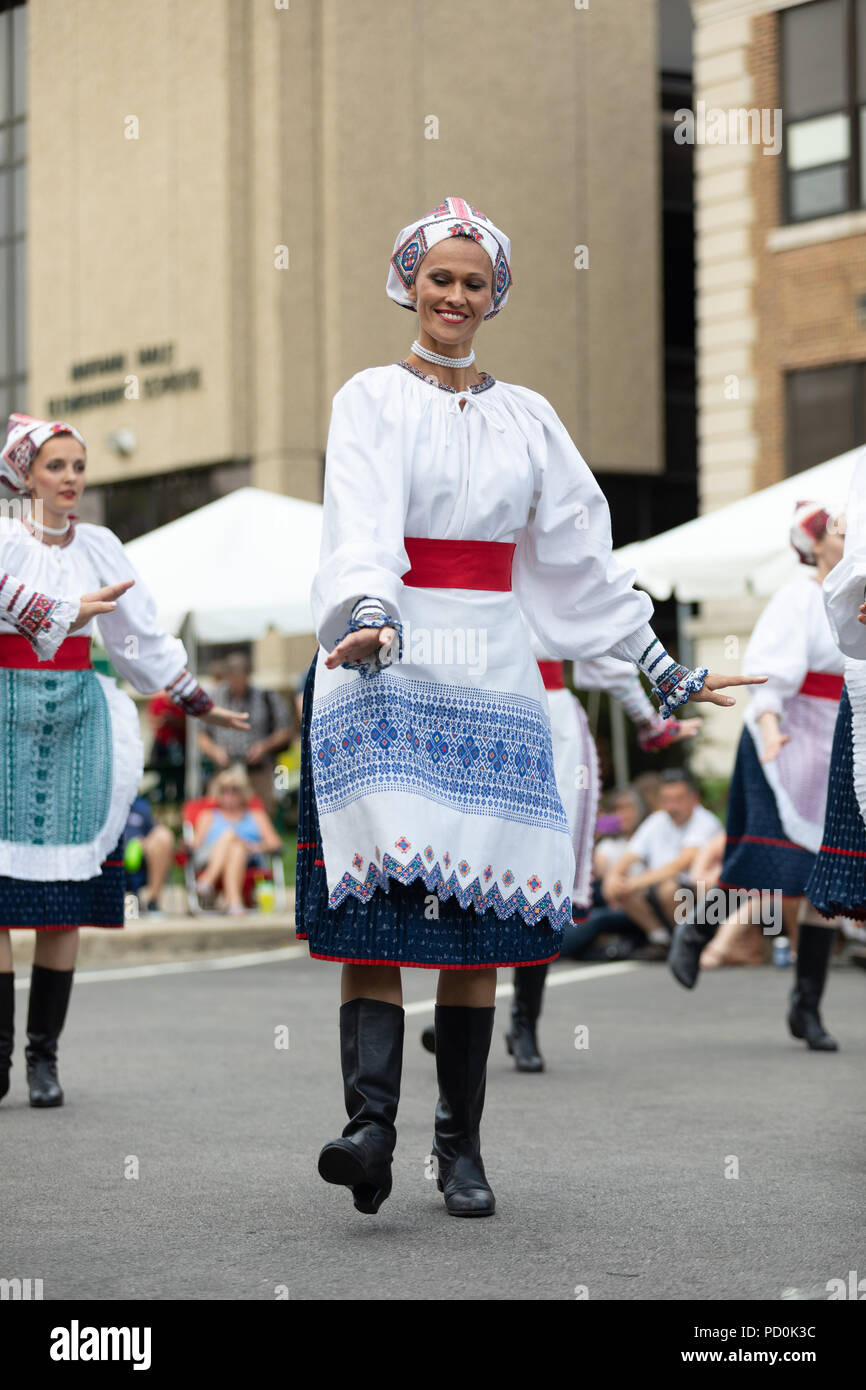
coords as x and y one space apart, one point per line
171 938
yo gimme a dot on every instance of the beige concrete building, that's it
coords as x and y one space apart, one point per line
214 188
781 267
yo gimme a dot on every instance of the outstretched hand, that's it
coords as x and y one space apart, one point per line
358 646
227 719
715 682
689 728
102 601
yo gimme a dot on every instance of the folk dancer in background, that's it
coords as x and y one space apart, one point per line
837 884
779 789
72 755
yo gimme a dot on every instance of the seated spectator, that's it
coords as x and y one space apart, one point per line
629 810
147 879
615 832
665 848
271 729
229 838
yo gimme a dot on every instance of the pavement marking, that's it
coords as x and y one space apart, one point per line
554 977
239 962
179 967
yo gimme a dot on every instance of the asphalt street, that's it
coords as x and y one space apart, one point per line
691 1150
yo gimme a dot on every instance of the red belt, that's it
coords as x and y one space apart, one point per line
551 674
439 564
73 654
823 684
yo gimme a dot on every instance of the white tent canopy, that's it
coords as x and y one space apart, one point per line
238 566
742 548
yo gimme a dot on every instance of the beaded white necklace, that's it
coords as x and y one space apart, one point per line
439 359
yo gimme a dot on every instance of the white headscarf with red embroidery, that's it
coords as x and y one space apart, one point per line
810 522
453 217
24 439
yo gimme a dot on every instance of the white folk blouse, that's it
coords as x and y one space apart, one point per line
440 765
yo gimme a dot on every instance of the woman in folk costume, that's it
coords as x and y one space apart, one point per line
431 831
779 788
837 884
73 754
578 782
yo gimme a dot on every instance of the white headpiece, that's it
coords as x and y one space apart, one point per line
454 217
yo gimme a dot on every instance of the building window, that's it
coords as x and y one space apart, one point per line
826 413
13 208
823 59
134 507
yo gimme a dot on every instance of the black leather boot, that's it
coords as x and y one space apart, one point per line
462 1046
520 1040
684 956
371 1052
49 1000
7 1028
428 1038
814 948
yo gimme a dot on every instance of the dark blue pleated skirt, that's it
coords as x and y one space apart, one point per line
758 853
63 904
837 885
408 924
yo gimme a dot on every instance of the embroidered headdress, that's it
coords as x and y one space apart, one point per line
454 217
24 439
810 522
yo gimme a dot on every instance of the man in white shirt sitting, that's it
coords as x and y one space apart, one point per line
642 883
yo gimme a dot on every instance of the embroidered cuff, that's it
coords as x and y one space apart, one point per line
189 696
367 613
674 684
42 619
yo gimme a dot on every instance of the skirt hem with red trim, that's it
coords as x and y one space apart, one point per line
758 853
66 904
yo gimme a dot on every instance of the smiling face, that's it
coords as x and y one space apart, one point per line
452 292
56 476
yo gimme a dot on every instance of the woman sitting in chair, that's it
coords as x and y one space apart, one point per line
229 838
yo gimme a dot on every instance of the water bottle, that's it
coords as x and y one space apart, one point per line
781 952
265 897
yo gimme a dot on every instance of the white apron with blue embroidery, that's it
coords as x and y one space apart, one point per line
440 765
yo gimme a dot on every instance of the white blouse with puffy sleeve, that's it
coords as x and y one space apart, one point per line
440 764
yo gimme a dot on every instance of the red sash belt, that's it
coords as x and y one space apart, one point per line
440 564
823 684
551 674
73 654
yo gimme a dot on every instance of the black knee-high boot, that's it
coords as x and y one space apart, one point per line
684 956
371 1053
7 1028
46 1015
814 948
521 1040
462 1046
